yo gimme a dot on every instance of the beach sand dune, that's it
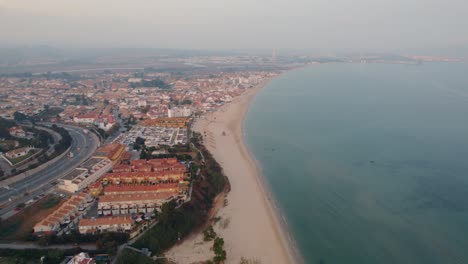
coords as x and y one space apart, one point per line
254 230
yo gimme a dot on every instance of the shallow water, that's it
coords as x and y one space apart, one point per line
368 162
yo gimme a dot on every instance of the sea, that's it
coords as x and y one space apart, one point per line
368 163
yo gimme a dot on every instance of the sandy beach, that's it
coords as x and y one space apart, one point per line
253 228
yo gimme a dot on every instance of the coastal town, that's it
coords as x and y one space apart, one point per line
88 156
233 132
142 165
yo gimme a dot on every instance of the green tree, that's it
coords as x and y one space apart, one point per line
102 132
218 248
167 212
139 143
128 256
155 83
186 102
4 126
209 234
145 153
18 116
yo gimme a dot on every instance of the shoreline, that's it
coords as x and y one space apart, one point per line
257 229
287 240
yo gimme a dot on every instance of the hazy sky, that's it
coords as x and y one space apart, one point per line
316 24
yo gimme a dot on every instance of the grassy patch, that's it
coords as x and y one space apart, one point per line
50 201
20 225
8 228
7 145
7 260
20 159
173 224
27 256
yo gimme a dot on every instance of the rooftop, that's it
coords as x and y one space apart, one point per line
111 151
111 220
64 210
74 173
89 164
141 188
136 197
144 174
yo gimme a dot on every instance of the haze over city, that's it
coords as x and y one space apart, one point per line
338 25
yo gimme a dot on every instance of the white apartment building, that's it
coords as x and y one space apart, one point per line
123 204
87 173
179 112
106 224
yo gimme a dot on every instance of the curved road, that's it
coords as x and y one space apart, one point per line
83 146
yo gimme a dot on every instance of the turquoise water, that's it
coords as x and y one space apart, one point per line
368 162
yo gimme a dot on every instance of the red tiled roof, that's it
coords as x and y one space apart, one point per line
145 167
136 197
157 164
142 174
94 185
141 188
88 115
122 167
63 211
163 161
138 162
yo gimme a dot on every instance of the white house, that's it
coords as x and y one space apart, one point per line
179 112
106 224
17 132
19 152
89 118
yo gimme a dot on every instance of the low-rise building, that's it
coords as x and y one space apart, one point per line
122 168
87 173
179 112
114 152
81 258
106 122
134 80
106 224
156 136
89 118
173 122
152 171
95 188
122 204
19 152
17 132
169 164
152 177
69 212
141 189
142 168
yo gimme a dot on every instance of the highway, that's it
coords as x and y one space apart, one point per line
83 146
